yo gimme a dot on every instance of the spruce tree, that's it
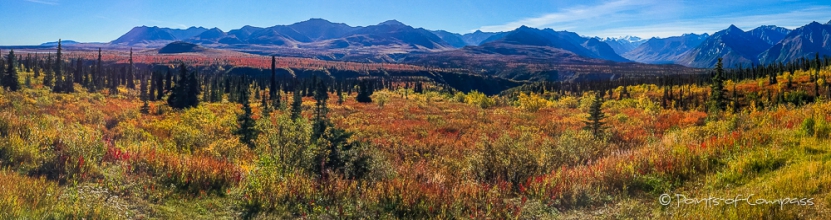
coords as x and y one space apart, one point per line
143 89
130 75
160 91
168 80
79 68
194 89
112 80
58 70
185 94
296 105
68 82
145 108
151 96
364 92
246 131
36 67
10 80
28 81
48 70
272 92
717 96
97 74
320 121
595 120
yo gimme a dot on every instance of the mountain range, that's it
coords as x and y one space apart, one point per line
391 41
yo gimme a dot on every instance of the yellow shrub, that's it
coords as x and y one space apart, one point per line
479 99
532 103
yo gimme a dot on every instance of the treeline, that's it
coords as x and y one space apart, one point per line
679 91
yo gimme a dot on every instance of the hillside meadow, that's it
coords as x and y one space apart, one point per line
411 155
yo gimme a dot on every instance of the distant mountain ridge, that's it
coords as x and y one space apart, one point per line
733 45
623 45
146 34
665 50
804 41
328 40
568 41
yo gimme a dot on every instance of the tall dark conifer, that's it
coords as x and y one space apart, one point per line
48 72
151 96
595 120
168 80
246 131
159 86
58 70
717 94
130 74
10 79
321 122
185 94
296 105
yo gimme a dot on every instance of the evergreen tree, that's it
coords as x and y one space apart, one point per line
160 91
130 77
296 105
264 105
364 92
151 96
145 108
79 68
272 92
595 120
10 80
194 89
112 80
340 95
68 82
185 94
320 121
168 80
246 131
48 76
717 96
28 81
143 89
58 70
36 67
98 75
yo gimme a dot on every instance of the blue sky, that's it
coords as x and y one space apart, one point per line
27 22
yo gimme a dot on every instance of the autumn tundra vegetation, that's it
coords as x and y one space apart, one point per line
100 137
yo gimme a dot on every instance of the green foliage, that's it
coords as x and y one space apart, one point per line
531 103
185 94
506 159
365 91
595 122
10 80
717 92
381 98
807 126
296 104
246 131
479 99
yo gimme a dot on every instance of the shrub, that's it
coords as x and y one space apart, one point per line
479 99
381 97
506 159
531 103
807 127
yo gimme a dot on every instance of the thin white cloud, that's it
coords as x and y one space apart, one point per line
653 18
45 2
791 20
569 16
